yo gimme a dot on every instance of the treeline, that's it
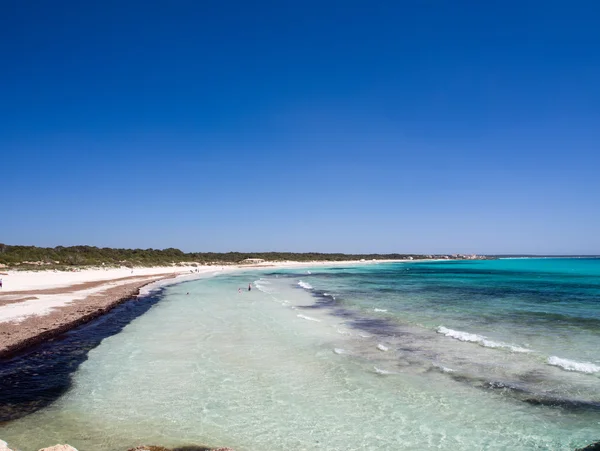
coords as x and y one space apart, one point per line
91 255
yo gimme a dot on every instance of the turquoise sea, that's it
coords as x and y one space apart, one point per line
463 355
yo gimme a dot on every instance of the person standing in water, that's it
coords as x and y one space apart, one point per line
249 287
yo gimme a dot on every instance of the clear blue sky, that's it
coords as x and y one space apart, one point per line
423 126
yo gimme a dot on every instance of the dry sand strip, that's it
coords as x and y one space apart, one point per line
11 297
45 314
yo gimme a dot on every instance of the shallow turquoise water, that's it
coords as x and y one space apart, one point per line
456 355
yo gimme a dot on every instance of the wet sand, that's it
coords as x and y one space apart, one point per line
19 334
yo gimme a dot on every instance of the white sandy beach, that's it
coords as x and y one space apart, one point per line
28 287
41 280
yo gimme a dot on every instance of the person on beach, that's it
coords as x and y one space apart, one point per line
0 283
240 290
249 287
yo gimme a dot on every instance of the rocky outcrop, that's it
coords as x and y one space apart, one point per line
59 448
592 447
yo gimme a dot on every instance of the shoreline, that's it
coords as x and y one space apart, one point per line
37 306
17 337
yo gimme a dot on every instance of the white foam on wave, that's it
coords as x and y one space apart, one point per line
382 347
340 351
443 368
479 339
309 318
306 286
342 331
380 310
308 272
571 365
383 372
262 285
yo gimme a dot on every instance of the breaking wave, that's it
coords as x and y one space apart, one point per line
262 285
443 369
306 286
383 372
479 339
571 365
309 318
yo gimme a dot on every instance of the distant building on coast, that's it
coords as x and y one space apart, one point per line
252 260
465 257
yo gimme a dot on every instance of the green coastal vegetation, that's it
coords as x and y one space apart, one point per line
60 256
